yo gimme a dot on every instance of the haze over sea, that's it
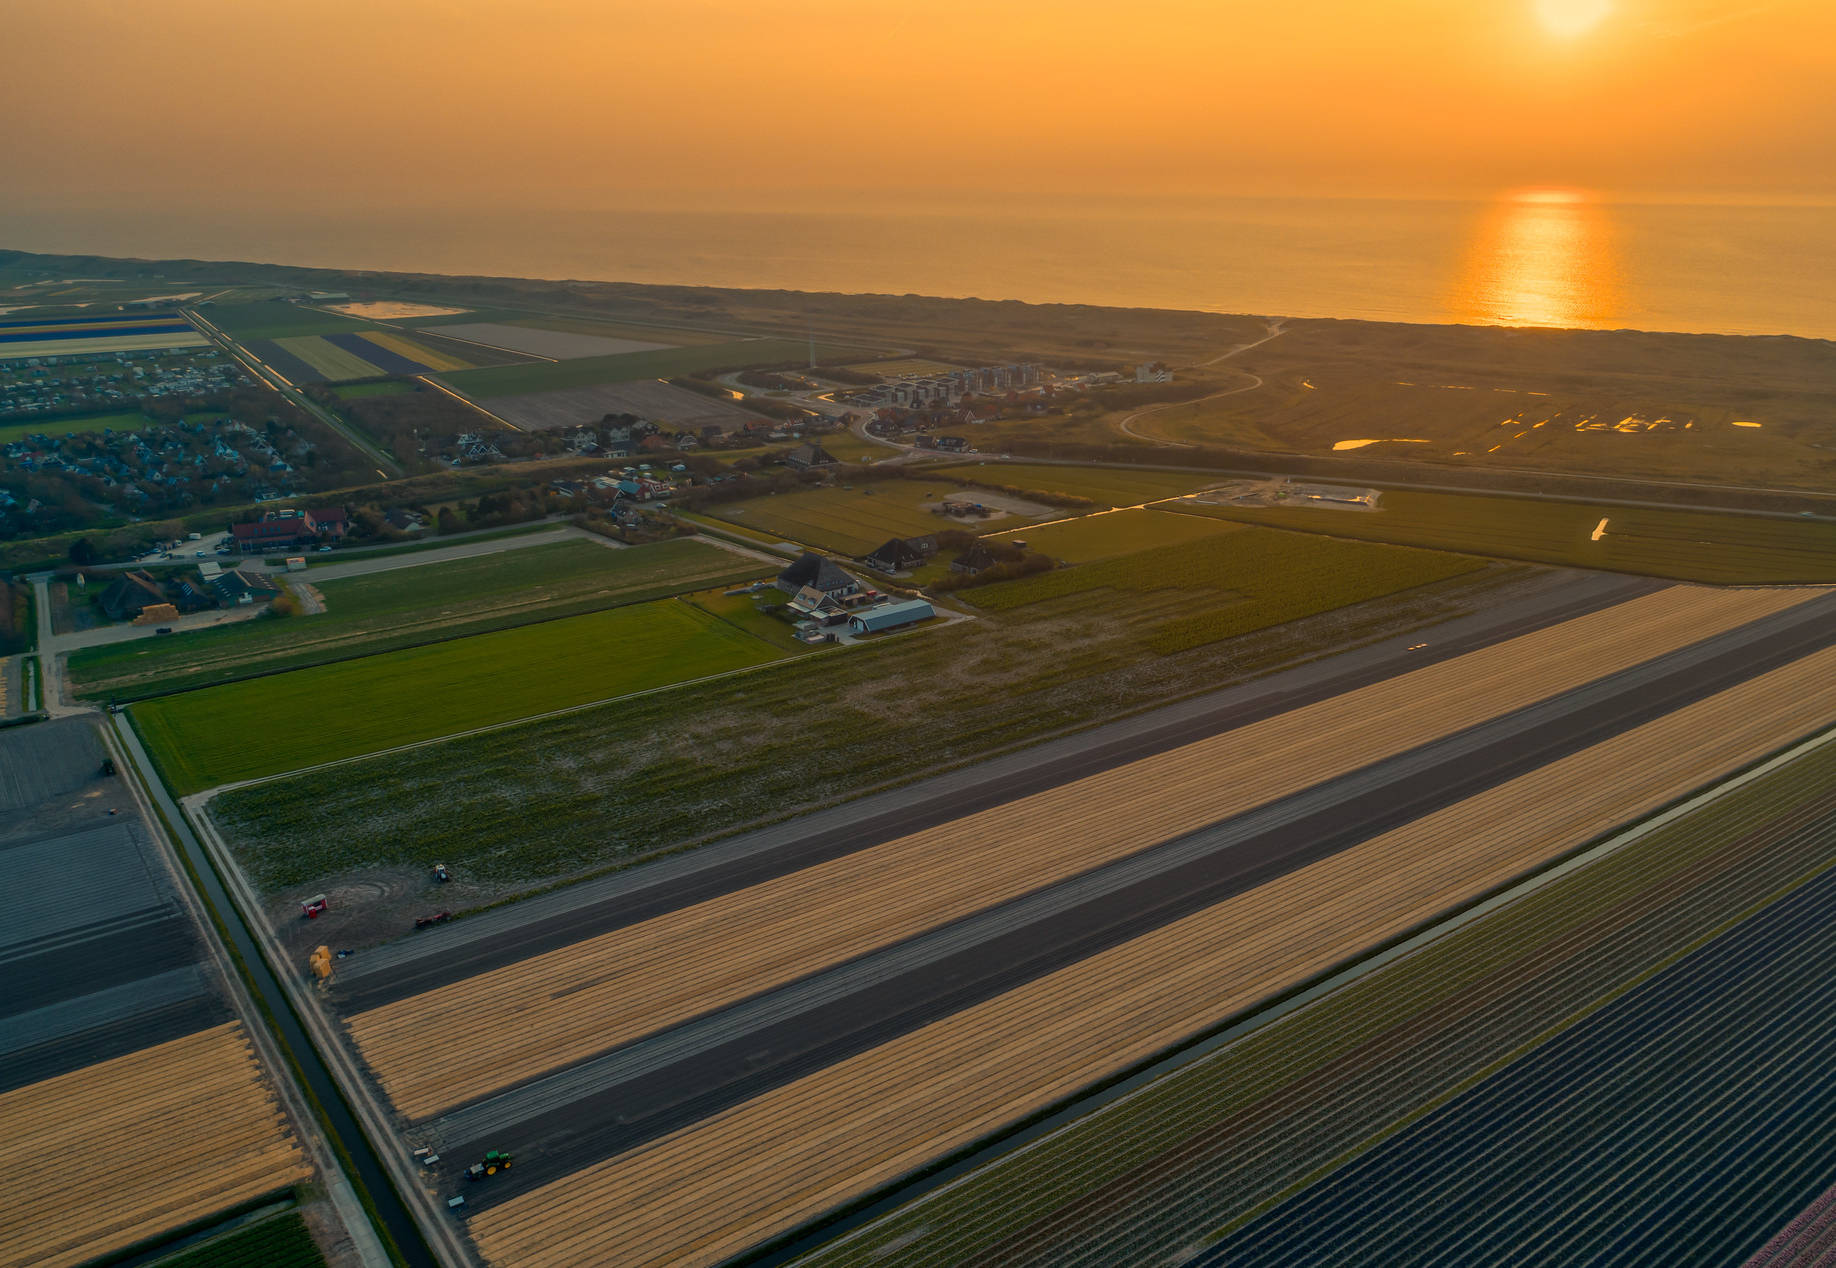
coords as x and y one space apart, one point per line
1552 258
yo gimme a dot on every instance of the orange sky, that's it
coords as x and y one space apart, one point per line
606 102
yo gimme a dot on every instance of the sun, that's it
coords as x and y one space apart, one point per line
1570 19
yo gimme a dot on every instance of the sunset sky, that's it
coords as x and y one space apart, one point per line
580 103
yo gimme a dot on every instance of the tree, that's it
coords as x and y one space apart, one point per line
83 552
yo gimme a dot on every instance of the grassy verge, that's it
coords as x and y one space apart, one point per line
282 1241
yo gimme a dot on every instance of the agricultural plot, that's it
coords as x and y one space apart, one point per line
1109 485
1707 546
592 995
408 606
1107 534
647 398
663 363
393 310
117 1157
1683 1122
71 426
851 521
1167 1168
903 366
560 345
274 319
266 726
1260 578
75 336
329 361
415 354
744 1174
282 1241
670 336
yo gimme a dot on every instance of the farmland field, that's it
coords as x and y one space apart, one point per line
640 766
560 344
662 364
1108 533
672 336
1689 545
75 336
409 606
1196 1152
392 310
356 391
280 1242
274 319
1257 578
71 426
1109 485
658 402
851 521
907 365
265 726
413 350
329 360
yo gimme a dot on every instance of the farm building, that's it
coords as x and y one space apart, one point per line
891 616
239 586
132 593
901 554
288 530
978 558
813 570
809 455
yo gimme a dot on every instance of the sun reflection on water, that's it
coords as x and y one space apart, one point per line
1541 257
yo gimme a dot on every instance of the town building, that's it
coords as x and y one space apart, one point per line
890 616
819 573
290 530
130 594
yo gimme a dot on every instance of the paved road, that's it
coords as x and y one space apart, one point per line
657 1085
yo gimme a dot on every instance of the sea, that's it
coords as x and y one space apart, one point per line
1538 258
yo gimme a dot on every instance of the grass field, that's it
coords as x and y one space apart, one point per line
671 335
849 521
906 365
1107 485
1689 545
415 350
266 726
273 319
1106 534
356 391
636 777
131 421
407 607
280 1242
661 364
1262 578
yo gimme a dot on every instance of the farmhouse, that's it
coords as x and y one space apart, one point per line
901 554
978 558
240 586
132 593
891 616
809 455
289 530
816 572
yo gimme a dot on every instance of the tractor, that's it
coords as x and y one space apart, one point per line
495 1161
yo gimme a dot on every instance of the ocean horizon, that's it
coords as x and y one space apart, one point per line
1546 258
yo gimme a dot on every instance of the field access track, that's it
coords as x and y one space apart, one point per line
740 1176
563 1006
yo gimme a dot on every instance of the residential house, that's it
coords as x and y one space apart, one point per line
816 571
809 455
901 554
978 558
241 586
130 594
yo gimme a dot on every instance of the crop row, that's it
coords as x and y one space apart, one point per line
1193 1151
281 1242
1673 1127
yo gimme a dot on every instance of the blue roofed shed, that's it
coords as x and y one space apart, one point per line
891 616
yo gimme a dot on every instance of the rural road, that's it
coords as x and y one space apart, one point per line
1126 426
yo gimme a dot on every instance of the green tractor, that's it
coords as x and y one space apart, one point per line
495 1161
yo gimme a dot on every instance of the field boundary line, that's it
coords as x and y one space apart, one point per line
431 381
837 1228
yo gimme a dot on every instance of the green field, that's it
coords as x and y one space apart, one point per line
1108 485
671 335
850 521
327 358
516 380
1105 534
527 804
265 726
129 421
407 607
357 391
280 1242
1688 545
1254 579
276 319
